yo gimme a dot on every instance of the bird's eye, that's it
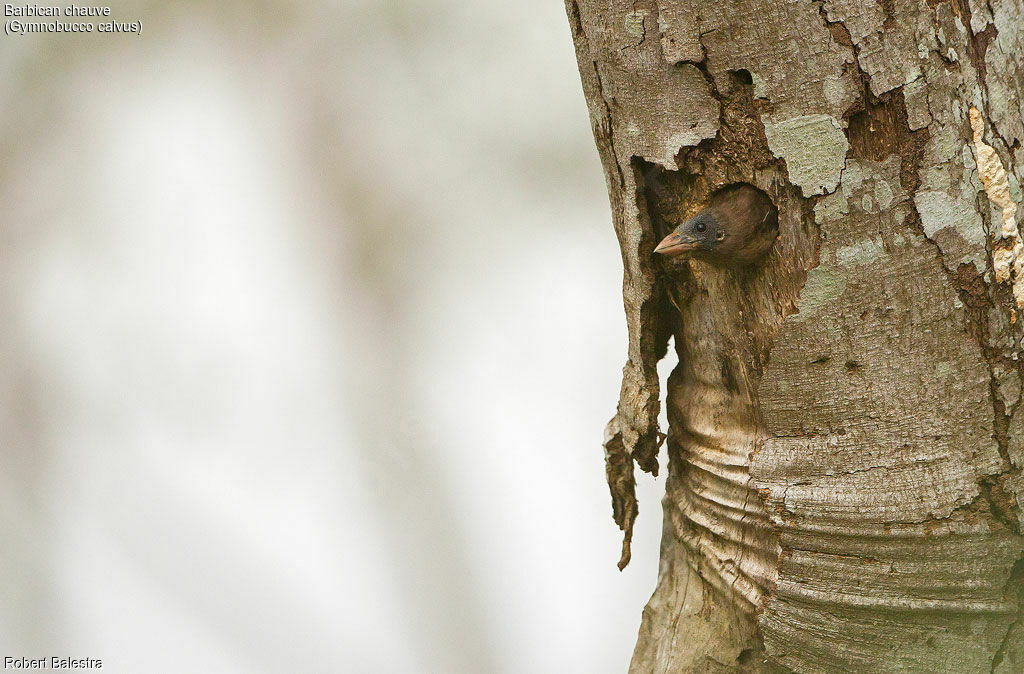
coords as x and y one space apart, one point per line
700 227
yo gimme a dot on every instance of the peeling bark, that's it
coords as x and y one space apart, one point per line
845 443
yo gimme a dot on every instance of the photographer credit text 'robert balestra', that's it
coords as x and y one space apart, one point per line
52 663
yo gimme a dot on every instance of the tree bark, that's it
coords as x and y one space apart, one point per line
845 437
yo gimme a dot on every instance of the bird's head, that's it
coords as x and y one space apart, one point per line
701 233
738 226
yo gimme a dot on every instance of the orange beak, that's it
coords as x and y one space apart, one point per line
675 244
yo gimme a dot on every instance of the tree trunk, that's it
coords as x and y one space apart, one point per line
845 436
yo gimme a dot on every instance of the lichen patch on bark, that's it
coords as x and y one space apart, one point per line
814 147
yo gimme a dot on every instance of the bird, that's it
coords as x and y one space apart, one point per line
738 227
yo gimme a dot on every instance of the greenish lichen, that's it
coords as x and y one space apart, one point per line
860 253
939 211
814 147
824 285
883 194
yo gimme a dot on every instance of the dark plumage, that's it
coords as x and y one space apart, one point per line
738 227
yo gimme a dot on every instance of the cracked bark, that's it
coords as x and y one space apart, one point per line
845 438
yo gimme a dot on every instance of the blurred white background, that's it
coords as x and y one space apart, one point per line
311 324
